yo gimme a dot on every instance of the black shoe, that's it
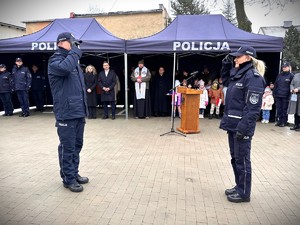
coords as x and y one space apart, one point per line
294 128
21 115
26 115
9 114
105 117
237 198
82 180
113 117
74 187
230 191
297 129
5 114
283 125
277 124
210 116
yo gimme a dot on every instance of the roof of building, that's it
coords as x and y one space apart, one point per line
278 31
12 26
86 15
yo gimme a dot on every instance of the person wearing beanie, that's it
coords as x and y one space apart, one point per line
141 103
267 102
203 99
282 94
216 97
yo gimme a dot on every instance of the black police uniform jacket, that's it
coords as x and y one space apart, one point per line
243 98
5 82
21 78
67 84
38 81
282 85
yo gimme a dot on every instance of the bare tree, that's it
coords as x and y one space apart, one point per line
243 21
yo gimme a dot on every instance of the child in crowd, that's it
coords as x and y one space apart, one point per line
267 102
216 96
177 100
203 99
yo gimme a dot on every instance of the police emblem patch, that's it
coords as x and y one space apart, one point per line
254 98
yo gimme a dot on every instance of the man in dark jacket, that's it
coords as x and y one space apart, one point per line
22 83
69 106
282 94
5 90
107 81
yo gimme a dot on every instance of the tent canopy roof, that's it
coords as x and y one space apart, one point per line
94 36
202 33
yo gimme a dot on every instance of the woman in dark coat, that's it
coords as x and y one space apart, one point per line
294 104
90 79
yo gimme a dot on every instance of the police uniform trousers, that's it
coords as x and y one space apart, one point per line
38 97
282 107
241 164
70 133
7 103
24 101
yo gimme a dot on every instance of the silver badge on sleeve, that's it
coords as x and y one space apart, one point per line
254 98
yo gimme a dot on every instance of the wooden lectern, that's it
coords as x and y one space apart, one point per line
189 110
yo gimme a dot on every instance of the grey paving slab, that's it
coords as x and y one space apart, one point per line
139 177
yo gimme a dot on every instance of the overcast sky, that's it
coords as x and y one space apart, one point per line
16 11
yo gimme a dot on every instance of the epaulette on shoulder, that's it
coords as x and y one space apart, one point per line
256 73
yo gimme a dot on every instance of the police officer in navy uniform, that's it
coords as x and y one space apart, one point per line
245 84
5 90
22 83
69 106
38 87
282 94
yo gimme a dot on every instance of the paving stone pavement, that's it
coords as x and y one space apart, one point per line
139 177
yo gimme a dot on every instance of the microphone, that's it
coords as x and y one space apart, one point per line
194 73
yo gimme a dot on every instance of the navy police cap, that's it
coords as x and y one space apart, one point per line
244 50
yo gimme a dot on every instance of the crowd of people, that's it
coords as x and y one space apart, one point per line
75 90
148 92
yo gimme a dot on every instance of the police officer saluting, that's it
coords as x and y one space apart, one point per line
245 84
69 106
22 83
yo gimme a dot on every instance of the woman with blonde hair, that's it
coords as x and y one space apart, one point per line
245 88
90 79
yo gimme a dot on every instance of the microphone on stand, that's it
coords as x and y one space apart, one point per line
194 73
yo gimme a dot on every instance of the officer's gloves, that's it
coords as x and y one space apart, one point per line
76 49
228 59
239 135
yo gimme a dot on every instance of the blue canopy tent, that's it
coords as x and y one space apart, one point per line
97 41
94 36
210 35
202 33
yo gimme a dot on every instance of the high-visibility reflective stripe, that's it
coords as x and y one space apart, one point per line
237 117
